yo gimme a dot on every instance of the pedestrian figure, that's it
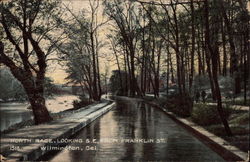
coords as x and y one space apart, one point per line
197 96
203 95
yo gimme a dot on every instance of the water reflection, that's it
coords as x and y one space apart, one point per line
133 119
12 113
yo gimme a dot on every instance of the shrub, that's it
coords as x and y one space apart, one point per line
201 82
204 114
162 101
226 84
181 105
148 98
82 103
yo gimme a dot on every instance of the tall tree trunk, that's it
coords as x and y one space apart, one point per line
132 65
224 69
168 71
99 78
203 51
95 91
199 51
234 58
145 75
246 53
157 77
193 47
214 57
200 66
177 52
37 102
98 66
118 65
127 74
171 69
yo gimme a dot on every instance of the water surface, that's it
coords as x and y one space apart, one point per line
133 120
15 112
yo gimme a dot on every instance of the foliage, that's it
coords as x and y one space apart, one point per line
201 82
10 87
44 22
82 103
180 104
218 130
243 118
50 87
239 102
30 33
226 83
126 20
117 84
151 98
81 51
240 138
204 114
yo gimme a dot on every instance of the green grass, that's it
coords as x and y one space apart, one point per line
240 137
220 131
241 119
238 102
237 119
207 116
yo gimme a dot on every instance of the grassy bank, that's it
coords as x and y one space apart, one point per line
238 121
238 102
207 116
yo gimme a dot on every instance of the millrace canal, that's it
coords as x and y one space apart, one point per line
134 131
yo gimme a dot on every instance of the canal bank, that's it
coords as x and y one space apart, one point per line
28 143
217 144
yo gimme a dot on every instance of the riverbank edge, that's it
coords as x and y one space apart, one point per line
217 144
55 116
35 153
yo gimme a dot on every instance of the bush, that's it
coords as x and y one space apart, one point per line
204 114
226 84
201 82
82 103
181 105
148 98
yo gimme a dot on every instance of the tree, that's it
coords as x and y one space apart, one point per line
116 86
125 19
27 30
113 44
212 47
77 56
81 50
12 89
